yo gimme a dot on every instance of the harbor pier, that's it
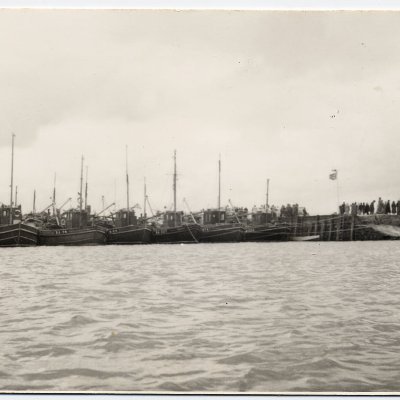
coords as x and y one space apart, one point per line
345 227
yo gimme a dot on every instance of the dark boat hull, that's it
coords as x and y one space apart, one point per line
222 233
130 235
179 234
18 235
72 237
268 234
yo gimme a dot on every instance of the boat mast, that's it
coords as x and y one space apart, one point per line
144 199
12 179
80 195
127 184
54 194
174 187
86 187
266 203
219 188
115 194
16 196
34 202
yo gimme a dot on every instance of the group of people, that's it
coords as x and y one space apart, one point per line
290 211
365 208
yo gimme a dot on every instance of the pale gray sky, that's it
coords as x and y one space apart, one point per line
281 95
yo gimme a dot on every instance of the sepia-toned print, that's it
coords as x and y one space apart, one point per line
199 201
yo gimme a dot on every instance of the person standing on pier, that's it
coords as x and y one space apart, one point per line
387 207
380 207
393 208
366 208
398 207
372 207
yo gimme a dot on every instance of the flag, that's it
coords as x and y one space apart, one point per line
333 175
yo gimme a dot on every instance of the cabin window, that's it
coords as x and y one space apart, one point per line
222 216
4 213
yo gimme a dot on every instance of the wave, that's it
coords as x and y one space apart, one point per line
75 322
64 373
245 358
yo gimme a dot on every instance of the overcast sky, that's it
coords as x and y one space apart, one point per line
282 95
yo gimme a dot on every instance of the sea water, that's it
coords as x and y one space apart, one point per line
244 317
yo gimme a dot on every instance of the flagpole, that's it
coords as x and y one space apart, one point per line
334 175
337 188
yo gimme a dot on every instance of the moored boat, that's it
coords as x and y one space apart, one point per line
217 225
127 231
263 229
125 227
18 234
268 233
129 235
13 231
93 235
173 230
72 227
216 229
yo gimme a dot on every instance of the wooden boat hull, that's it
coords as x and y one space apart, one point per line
180 234
222 233
130 235
72 237
267 234
18 235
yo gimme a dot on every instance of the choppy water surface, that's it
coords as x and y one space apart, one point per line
223 317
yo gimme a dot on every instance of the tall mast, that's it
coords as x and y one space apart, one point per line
80 195
86 187
144 200
54 194
127 183
12 179
174 187
115 194
219 182
16 196
34 202
219 188
266 203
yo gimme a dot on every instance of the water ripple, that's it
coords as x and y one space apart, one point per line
247 317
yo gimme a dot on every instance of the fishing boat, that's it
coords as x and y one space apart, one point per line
217 227
72 227
172 228
125 225
16 233
126 229
72 237
263 229
13 231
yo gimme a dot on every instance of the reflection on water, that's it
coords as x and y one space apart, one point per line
224 317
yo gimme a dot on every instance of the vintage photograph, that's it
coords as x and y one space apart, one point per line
199 201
